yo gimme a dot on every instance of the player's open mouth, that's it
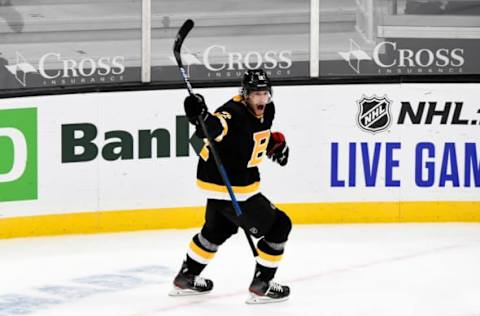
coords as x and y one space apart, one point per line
260 107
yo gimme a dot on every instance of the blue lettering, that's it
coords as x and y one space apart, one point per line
449 161
352 160
471 164
390 164
429 166
334 181
370 169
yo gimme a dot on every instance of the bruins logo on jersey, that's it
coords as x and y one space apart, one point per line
259 148
241 140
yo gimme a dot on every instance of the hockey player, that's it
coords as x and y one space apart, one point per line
241 130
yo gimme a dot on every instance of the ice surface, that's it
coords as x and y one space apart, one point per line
378 269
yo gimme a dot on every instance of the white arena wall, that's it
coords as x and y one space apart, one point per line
82 163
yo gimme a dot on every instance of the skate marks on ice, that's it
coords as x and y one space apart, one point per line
393 259
84 287
191 301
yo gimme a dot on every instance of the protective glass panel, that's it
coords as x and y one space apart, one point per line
399 37
52 43
231 36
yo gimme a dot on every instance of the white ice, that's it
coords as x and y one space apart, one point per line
377 269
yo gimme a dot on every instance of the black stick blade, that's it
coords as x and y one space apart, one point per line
181 35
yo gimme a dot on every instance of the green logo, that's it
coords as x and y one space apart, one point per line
18 154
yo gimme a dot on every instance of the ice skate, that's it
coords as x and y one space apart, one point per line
184 285
262 292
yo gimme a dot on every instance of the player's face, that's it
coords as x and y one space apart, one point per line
257 100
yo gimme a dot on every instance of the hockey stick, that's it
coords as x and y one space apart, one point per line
177 46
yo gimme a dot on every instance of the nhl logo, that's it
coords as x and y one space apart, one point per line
374 113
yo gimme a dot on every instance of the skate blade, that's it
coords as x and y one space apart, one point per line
256 299
185 292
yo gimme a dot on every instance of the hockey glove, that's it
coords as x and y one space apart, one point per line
277 149
195 106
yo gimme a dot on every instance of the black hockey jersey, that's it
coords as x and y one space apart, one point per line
241 139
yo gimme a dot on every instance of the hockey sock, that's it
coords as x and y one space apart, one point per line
268 260
199 253
264 273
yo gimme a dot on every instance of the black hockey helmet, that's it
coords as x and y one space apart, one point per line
255 80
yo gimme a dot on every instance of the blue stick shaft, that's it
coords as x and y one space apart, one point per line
182 33
218 162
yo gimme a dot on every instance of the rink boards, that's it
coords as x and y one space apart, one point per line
98 162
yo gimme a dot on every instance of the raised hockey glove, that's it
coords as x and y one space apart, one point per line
277 149
195 106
